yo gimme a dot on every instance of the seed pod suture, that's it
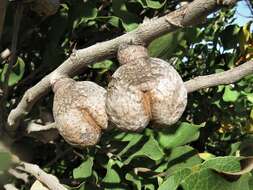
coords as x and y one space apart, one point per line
144 89
79 111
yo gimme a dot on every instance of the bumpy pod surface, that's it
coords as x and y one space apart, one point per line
144 89
79 111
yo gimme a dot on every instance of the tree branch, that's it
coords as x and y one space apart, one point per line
188 15
19 175
226 77
34 127
44 133
10 187
200 82
48 180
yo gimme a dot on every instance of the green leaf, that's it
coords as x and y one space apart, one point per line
166 45
245 36
111 175
135 179
173 181
234 148
83 12
133 139
230 95
202 176
152 4
179 151
84 170
106 64
208 180
145 151
182 157
155 4
223 164
16 74
206 156
249 96
129 20
177 136
149 187
114 21
220 88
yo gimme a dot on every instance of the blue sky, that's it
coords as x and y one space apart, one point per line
242 13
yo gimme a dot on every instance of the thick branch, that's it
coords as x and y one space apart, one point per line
48 180
226 77
186 16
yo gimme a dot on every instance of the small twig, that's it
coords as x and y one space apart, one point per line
78 154
141 170
5 54
46 133
49 180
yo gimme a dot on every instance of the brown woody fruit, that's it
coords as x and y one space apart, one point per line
144 89
79 111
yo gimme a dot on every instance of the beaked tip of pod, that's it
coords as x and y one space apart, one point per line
128 53
56 80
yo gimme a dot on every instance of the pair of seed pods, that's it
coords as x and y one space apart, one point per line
143 90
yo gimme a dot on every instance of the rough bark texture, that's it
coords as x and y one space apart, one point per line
144 89
79 111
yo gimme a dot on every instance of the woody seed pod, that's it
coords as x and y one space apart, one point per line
79 111
144 89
